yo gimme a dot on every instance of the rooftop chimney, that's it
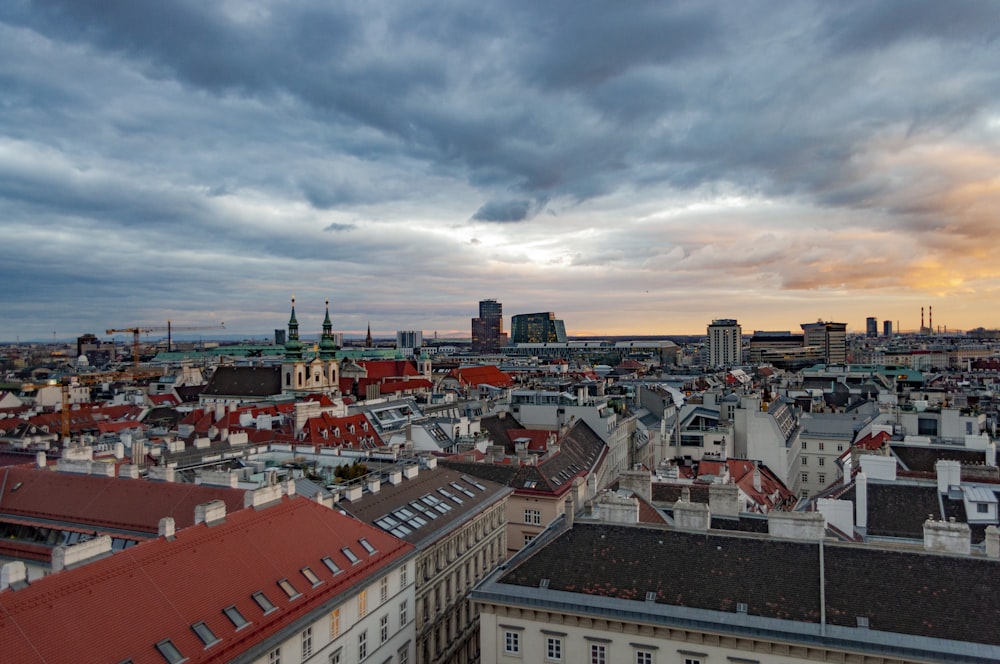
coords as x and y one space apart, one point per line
807 526
691 516
947 537
210 513
724 499
71 556
992 542
13 575
167 528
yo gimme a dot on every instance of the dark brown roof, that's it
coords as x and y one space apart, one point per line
908 593
580 451
372 507
244 382
923 458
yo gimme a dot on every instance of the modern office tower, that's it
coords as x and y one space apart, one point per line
537 328
887 328
408 341
279 337
830 337
487 329
725 343
871 327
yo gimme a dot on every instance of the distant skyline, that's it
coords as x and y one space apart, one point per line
636 169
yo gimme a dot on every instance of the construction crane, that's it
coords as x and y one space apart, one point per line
136 331
85 380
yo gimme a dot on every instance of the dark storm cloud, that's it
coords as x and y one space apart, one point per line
503 211
134 129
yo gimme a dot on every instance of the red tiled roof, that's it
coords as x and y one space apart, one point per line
115 427
537 439
326 430
119 607
162 399
393 386
488 374
105 502
873 441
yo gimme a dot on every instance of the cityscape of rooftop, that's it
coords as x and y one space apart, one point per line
638 172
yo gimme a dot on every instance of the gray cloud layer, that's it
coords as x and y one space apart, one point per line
186 160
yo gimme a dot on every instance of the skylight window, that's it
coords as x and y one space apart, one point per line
459 487
263 602
170 651
205 634
289 589
235 617
474 483
368 545
311 576
332 566
350 555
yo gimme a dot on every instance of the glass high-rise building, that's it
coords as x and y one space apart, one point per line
487 330
871 327
537 328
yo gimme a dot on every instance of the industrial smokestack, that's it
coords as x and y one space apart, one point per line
921 319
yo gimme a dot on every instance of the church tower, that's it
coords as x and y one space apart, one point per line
293 369
368 339
328 352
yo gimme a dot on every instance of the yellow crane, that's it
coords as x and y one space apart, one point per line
86 379
168 328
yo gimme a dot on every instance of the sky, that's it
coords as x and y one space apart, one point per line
636 168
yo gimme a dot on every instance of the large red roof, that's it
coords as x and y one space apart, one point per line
119 607
487 374
105 502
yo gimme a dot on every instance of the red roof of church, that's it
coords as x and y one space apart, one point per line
119 607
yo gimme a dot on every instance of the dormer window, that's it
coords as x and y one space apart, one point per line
350 555
170 652
289 589
235 617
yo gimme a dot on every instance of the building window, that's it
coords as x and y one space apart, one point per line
982 508
512 643
805 446
263 602
332 566
362 603
402 577
274 657
402 613
334 624
335 657
170 651
598 653
307 642
840 447
311 576
235 617
362 645
383 590
289 589
805 477
822 478
404 654
533 517
692 660
350 555
822 461
206 635
821 447
553 649
383 629
805 461
527 539
643 657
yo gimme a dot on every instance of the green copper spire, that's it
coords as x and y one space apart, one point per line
293 347
327 345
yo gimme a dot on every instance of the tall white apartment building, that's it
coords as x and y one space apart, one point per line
725 342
